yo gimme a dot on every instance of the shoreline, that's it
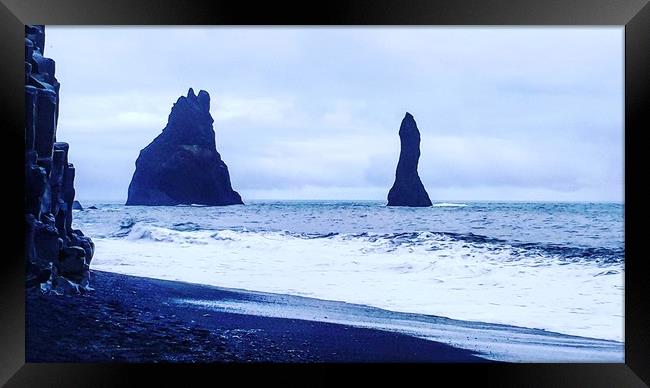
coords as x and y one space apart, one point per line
542 277
136 319
133 319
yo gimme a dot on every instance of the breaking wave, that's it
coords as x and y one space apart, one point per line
434 242
557 267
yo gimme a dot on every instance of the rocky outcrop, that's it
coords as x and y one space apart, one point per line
408 189
182 165
57 257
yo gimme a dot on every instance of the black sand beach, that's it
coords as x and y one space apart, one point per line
133 319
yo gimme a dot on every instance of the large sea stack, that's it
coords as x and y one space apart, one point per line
57 257
408 189
182 165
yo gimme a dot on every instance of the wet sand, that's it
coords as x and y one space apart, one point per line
133 319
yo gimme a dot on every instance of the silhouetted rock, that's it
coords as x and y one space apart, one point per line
50 242
77 206
78 239
408 189
47 241
72 262
182 165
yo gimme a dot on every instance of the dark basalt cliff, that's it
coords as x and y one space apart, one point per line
408 189
57 257
182 165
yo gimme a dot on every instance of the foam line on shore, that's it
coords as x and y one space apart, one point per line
492 341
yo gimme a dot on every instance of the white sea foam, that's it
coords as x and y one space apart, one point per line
447 204
494 342
424 273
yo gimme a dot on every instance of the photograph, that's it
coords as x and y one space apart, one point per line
324 194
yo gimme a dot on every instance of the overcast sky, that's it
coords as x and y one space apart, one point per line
313 113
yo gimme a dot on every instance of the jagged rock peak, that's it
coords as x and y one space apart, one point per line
182 165
190 122
200 101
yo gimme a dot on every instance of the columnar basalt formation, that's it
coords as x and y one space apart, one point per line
408 189
57 257
182 165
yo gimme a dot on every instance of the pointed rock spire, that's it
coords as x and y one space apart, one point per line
408 189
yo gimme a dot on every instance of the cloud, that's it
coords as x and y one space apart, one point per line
259 110
480 162
505 113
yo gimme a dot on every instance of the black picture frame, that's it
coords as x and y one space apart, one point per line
633 14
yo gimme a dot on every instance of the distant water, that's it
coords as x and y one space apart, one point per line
554 266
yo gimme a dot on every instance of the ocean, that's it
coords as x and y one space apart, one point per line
552 266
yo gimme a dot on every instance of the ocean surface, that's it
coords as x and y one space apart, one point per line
552 266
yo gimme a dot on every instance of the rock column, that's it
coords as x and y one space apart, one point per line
408 189
57 257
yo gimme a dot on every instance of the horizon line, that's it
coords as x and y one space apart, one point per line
385 200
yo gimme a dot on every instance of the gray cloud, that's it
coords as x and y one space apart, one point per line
505 113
